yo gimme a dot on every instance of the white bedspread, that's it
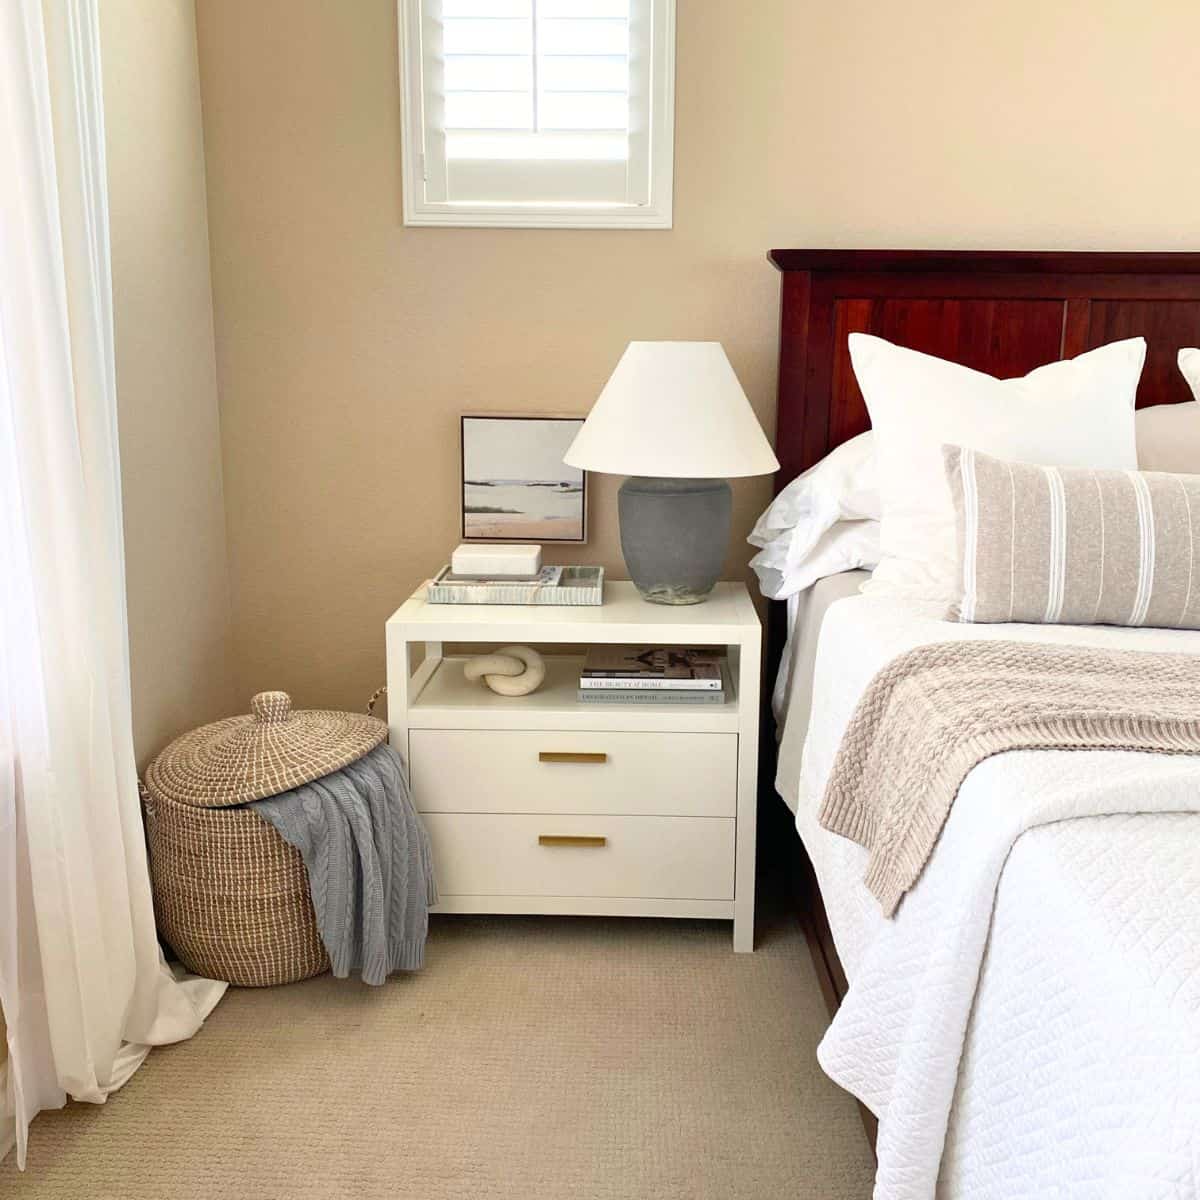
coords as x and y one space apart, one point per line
1029 1024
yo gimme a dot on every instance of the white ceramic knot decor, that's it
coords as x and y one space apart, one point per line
512 671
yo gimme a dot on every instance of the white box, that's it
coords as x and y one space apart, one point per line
496 562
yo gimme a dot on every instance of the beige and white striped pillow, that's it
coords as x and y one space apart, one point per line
1073 545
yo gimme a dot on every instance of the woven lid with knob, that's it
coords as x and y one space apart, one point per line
271 750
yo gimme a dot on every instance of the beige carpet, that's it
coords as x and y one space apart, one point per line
533 1059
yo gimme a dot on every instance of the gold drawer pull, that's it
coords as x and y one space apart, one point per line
571 756
562 839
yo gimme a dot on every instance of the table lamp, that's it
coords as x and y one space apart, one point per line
674 418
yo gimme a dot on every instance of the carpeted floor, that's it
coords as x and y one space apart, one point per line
533 1059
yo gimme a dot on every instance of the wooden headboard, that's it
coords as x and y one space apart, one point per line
1001 312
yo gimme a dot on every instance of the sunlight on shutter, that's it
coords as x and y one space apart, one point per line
540 103
536 82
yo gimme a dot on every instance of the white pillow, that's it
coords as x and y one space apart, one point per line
1168 438
1189 364
846 546
1075 413
823 522
843 486
1168 435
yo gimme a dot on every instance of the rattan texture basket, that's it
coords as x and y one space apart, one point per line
231 897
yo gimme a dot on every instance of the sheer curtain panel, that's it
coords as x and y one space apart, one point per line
84 988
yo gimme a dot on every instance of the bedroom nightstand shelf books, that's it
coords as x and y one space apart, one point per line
545 804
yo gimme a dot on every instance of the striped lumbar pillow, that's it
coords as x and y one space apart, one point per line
1074 546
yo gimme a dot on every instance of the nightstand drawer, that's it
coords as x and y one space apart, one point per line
489 854
509 771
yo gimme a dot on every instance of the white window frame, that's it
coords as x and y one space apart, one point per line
656 214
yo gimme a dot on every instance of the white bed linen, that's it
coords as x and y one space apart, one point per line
1061 1054
791 700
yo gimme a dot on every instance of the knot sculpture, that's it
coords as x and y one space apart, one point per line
513 671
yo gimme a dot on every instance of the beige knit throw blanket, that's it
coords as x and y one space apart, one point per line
937 711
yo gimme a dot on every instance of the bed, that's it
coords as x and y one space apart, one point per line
1060 1052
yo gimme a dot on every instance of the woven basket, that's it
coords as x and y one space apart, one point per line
230 895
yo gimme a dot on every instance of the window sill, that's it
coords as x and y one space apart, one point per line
528 217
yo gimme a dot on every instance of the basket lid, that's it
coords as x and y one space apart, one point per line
271 750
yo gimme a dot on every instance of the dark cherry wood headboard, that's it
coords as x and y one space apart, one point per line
1003 312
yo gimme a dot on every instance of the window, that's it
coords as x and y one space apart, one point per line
538 112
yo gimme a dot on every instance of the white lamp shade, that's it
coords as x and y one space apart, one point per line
673 409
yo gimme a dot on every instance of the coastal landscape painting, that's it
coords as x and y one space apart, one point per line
515 485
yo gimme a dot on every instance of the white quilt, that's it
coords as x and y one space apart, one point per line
1029 1024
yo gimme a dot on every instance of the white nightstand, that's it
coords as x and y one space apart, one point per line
541 804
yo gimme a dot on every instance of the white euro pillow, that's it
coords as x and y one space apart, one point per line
1189 364
825 521
1168 438
1074 413
1168 435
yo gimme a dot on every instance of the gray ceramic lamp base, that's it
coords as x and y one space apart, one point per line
674 534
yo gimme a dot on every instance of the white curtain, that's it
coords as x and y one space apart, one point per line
84 988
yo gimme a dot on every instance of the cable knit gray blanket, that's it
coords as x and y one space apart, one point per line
368 861
937 711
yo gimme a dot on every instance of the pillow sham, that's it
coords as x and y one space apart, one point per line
1078 412
1168 437
1074 545
841 487
825 521
1189 364
784 569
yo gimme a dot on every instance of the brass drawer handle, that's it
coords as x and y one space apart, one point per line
571 756
562 839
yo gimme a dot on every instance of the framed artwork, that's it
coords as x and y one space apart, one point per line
515 485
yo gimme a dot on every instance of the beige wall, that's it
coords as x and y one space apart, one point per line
347 345
175 548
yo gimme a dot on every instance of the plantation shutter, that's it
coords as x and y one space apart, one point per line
538 102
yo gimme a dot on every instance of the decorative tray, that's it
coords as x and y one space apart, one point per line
577 586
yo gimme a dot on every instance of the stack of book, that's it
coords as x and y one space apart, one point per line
652 675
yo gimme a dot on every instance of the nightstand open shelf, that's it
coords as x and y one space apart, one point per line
448 700
549 804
